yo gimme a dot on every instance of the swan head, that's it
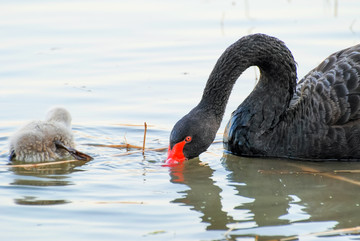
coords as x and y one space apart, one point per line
60 115
191 136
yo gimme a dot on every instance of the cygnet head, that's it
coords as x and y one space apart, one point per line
59 114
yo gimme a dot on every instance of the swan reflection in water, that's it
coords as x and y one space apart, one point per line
203 195
278 193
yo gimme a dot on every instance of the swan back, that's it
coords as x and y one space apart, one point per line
334 86
323 121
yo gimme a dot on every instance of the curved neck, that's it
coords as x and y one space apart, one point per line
277 69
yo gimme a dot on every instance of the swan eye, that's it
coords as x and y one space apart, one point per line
188 139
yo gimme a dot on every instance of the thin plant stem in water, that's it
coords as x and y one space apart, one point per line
145 130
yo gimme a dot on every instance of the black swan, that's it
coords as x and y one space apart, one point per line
48 140
317 118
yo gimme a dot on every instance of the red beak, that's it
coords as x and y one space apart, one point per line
176 154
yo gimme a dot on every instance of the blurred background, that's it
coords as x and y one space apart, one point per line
134 61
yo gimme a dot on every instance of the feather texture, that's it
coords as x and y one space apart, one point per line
35 142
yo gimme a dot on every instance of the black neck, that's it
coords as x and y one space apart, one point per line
277 69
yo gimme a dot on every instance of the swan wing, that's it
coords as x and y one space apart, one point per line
333 88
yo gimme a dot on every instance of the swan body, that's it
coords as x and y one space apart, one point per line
40 141
317 118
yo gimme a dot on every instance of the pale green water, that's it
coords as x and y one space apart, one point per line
126 62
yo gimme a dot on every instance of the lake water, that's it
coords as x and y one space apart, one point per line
117 64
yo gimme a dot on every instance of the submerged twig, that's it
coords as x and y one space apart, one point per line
326 174
141 151
312 171
127 146
145 130
45 163
286 172
354 230
347 171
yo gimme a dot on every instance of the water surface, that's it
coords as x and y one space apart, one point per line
118 64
